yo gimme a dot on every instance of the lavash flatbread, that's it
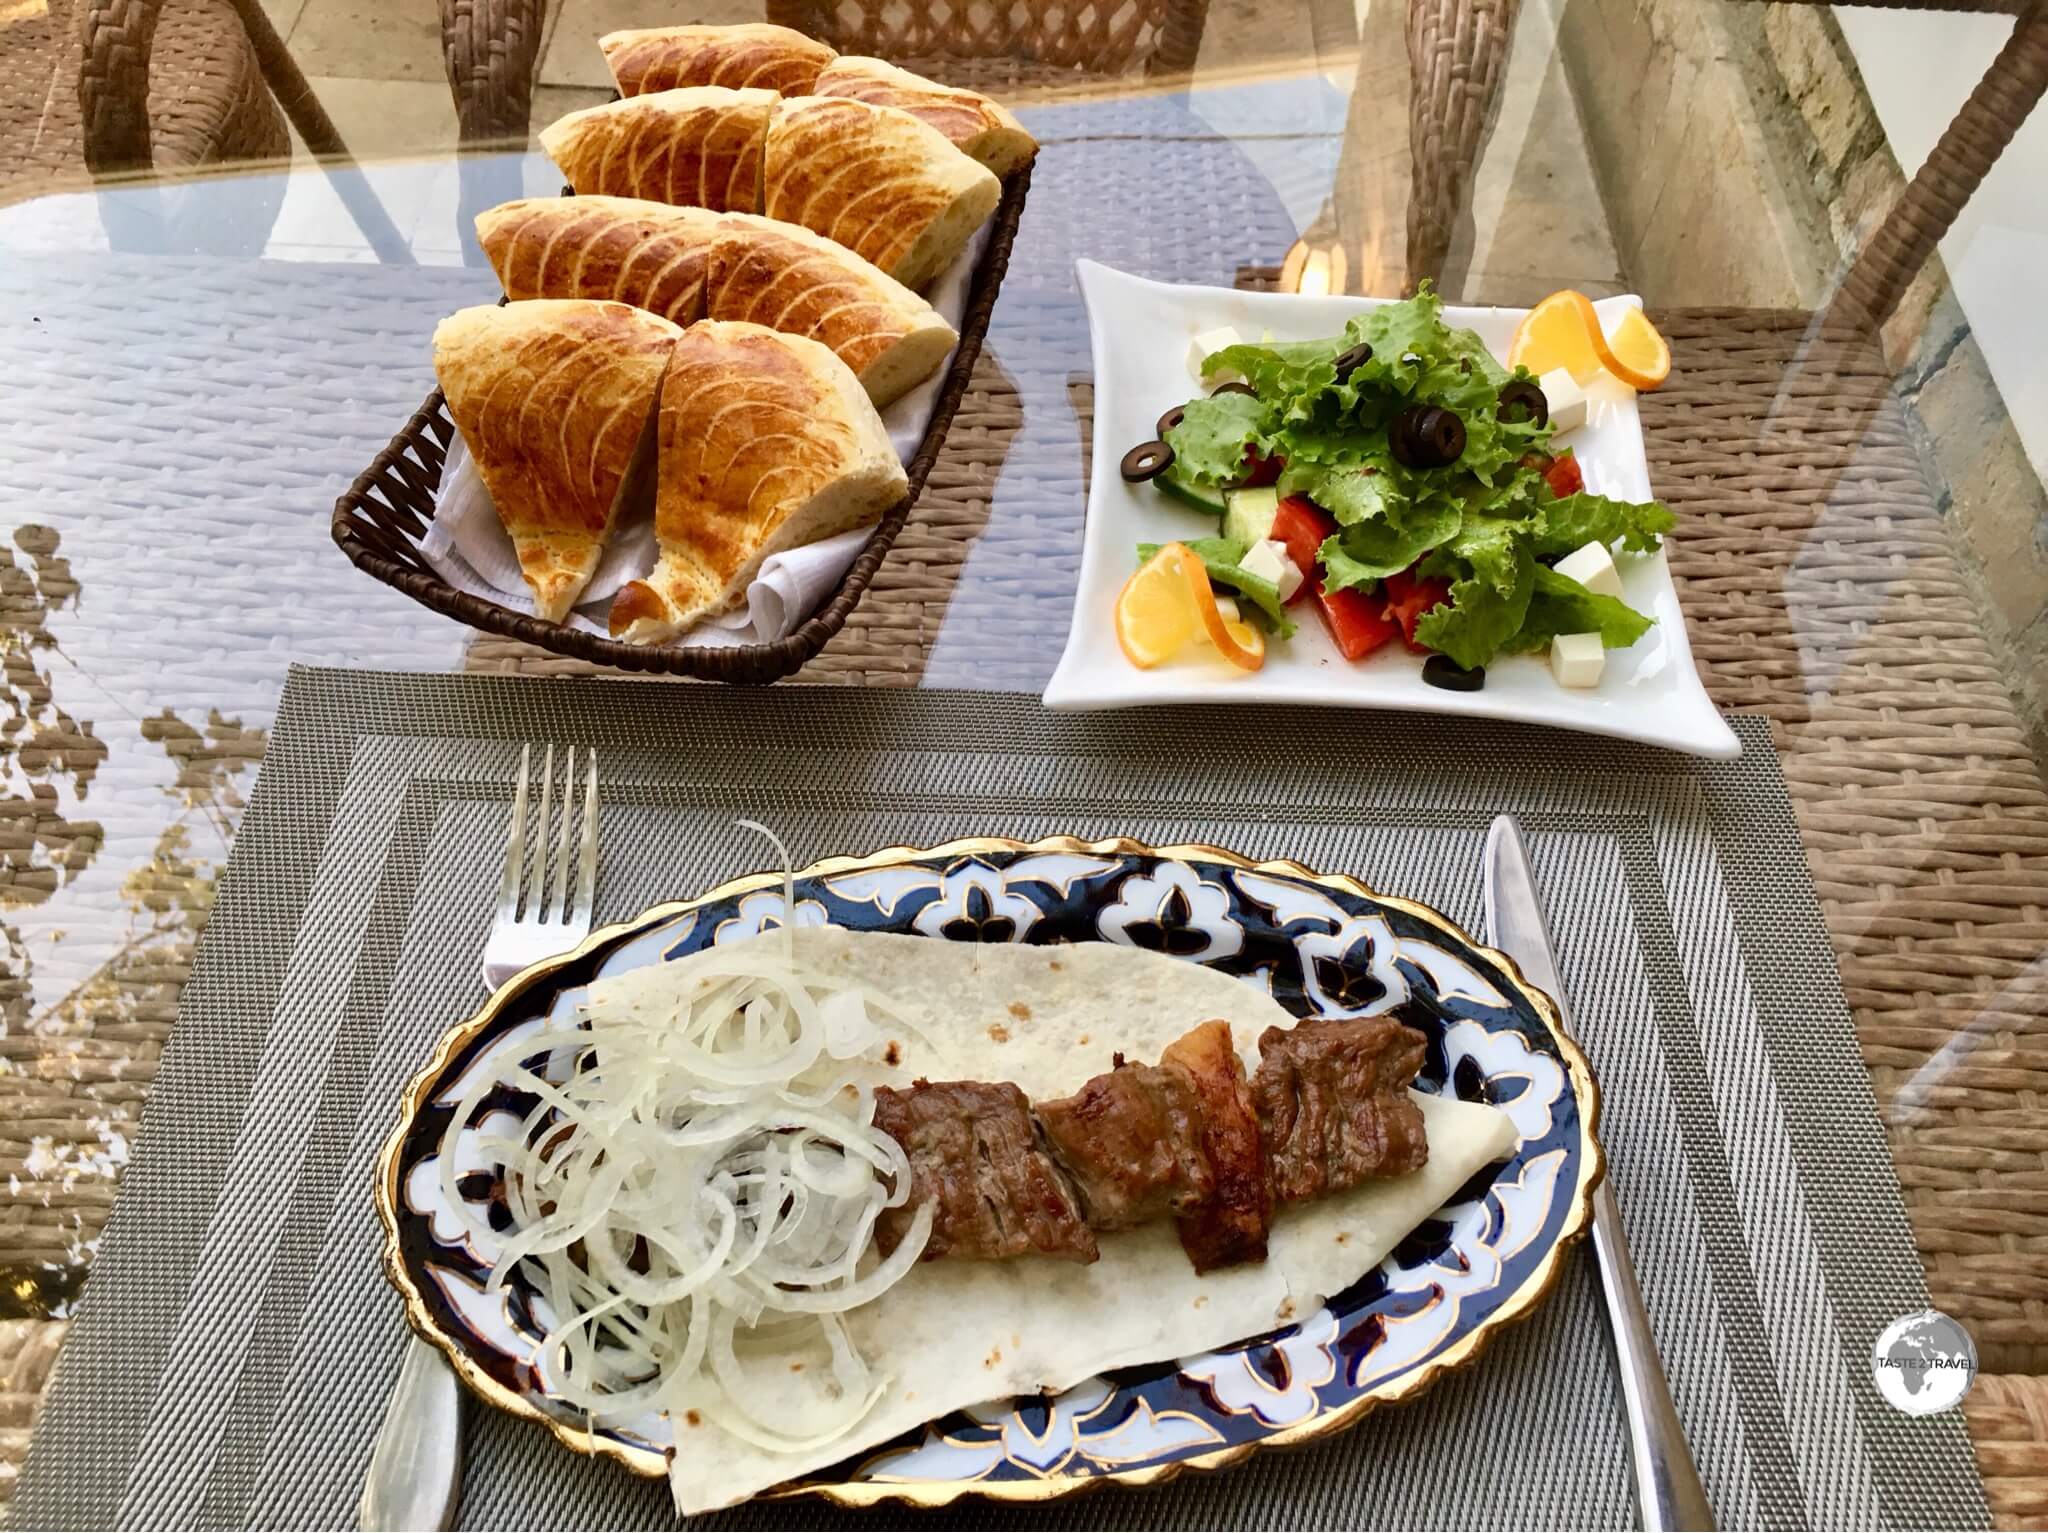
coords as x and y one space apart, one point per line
956 1333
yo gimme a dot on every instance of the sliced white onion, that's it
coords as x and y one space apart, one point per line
710 1121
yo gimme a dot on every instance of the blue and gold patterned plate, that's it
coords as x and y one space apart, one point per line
1325 946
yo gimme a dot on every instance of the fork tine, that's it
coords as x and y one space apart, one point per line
586 877
536 878
515 843
561 878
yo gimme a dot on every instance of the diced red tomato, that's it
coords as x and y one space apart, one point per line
1302 526
1356 621
1261 470
1409 595
1563 476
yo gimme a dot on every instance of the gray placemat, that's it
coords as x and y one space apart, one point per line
236 1342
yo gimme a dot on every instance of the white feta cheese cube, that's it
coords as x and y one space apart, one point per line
1268 560
1592 566
1577 659
1205 345
1291 577
1567 400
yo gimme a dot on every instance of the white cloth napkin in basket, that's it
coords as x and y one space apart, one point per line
468 548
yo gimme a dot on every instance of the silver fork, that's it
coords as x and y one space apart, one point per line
415 1475
546 921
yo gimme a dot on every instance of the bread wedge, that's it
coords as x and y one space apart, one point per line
881 183
699 147
644 253
553 398
753 53
980 128
785 277
766 442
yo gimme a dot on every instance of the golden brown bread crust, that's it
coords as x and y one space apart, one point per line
771 273
755 54
700 147
765 441
551 397
978 126
877 180
789 279
643 253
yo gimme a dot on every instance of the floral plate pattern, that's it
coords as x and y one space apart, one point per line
1321 945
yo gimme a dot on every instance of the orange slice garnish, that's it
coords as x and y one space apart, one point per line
1561 331
1635 353
1236 640
1167 602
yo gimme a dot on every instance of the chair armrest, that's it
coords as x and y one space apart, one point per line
491 48
117 38
1457 53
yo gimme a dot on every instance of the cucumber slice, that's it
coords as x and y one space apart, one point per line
1200 496
1248 514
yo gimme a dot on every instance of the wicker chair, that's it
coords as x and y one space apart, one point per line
1822 586
119 85
1157 36
121 88
491 47
112 87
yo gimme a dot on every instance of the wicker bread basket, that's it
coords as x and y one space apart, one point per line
380 520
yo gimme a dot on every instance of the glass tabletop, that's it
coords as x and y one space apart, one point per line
1854 436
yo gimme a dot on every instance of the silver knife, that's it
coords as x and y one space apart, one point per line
1667 1483
415 1476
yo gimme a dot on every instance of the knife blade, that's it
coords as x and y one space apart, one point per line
1668 1488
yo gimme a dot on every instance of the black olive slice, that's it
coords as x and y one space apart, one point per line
1171 419
1443 671
1145 461
1349 362
1235 386
1426 436
1524 400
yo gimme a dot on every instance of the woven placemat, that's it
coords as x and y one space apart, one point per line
235 1346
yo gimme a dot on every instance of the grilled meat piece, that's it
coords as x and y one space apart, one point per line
976 1153
1231 1226
1178 1140
1132 1142
1333 1104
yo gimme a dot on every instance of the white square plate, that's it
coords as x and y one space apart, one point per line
1139 332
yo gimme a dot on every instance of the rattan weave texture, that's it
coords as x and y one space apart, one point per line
1823 587
114 83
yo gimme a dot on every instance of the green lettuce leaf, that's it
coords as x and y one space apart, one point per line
1208 445
1288 374
1481 617
1572 521
1495 550
1350 494
1371 551
1405 338
1219 557
1559 604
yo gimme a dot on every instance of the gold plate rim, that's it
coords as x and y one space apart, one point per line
860 1493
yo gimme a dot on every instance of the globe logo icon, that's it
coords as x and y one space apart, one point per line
1924 1363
